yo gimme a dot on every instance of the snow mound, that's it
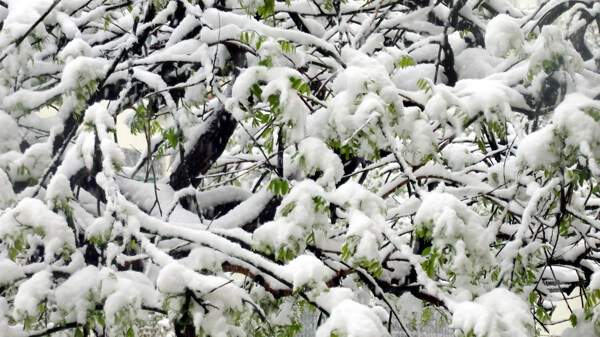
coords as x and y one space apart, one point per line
498 313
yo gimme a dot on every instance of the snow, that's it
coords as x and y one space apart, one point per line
313 155
352 319
305 270
579 125
582 329
537 149
30 164
183 28
295 218
475 63
221 195
75 74
551 46
73 295
59 190
562 274
174 278
9 133
245 212
56 236
76 47
460 156
126 294
380 156
353 195
333 297
11 272
449 222
363 227
595 281
503 36
21 16
31 293
498 313
278 83
7 195
68 26
202 258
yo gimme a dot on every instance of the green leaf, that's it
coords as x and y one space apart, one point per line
267 62
41 307
407 61
279 186
285 188
100 319
426 251
573 320
256 91
285 211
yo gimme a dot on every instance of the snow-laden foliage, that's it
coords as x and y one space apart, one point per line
372 161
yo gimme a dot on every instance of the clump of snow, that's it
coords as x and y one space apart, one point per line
10 272
176 279
417 137
450 223
595 281
333 297
314 155
552 47
369 234
364 98
584 327
6 329
437 108
580 126
475 63
302 211
277 82
460 156
21 222
21 16
125 293
71 5
539 149
75 48
32 164
503 36
7 195
407 78
73 295
9 133
352 319
353 195
410 307
100 228
222 295
222 195
498 313
202 258
491 97
31 293
171 279
59 191
306 270
366 221
245 212
573 127
81 70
